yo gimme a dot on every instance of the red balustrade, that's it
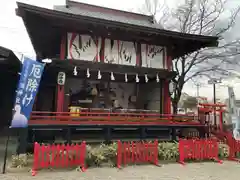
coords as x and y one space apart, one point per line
137 152
102 116
198 149
50 156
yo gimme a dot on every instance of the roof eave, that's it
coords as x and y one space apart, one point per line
10 58
211 40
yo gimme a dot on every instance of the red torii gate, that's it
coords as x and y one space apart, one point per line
205 109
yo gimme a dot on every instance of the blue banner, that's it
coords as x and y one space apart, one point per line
27 89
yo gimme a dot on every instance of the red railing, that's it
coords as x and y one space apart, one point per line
130 153
107 117
198 149
137 152
234 148
49 156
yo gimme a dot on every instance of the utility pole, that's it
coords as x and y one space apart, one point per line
214 81
198 88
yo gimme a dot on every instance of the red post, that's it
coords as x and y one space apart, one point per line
133 151
60 89
83 152
119 154
35 158
166 98
128 152
181 151
221 119
169 67
156 152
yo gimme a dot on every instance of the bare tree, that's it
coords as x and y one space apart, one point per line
156 8
201 17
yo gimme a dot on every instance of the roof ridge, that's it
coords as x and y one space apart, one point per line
72 3
35 8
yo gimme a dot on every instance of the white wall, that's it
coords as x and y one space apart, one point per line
152 56
85 47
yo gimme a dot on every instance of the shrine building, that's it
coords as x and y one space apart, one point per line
109 67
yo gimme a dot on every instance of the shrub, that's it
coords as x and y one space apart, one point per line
101 155
19 161
168 151
223 151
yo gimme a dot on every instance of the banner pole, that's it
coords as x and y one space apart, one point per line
6 153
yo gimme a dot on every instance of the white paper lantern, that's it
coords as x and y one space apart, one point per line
88 73
99 75
75 73
112 77
137 79
61 78
157 78
126 78
146 78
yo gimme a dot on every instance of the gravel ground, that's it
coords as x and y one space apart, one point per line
194 171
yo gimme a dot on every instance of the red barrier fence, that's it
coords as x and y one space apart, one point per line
234 148
198 149
137 152
48 156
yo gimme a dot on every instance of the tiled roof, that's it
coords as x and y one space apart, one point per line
4 52
108 14
121 21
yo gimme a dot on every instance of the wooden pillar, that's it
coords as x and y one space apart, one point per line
167 98
161 108
60 89
221 119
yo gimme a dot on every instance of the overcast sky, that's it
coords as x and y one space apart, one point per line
13 34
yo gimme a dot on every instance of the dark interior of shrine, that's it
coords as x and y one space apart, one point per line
93 133
73 92
46 100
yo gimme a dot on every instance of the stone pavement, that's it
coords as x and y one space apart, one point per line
194 171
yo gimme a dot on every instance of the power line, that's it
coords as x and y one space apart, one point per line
198 88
